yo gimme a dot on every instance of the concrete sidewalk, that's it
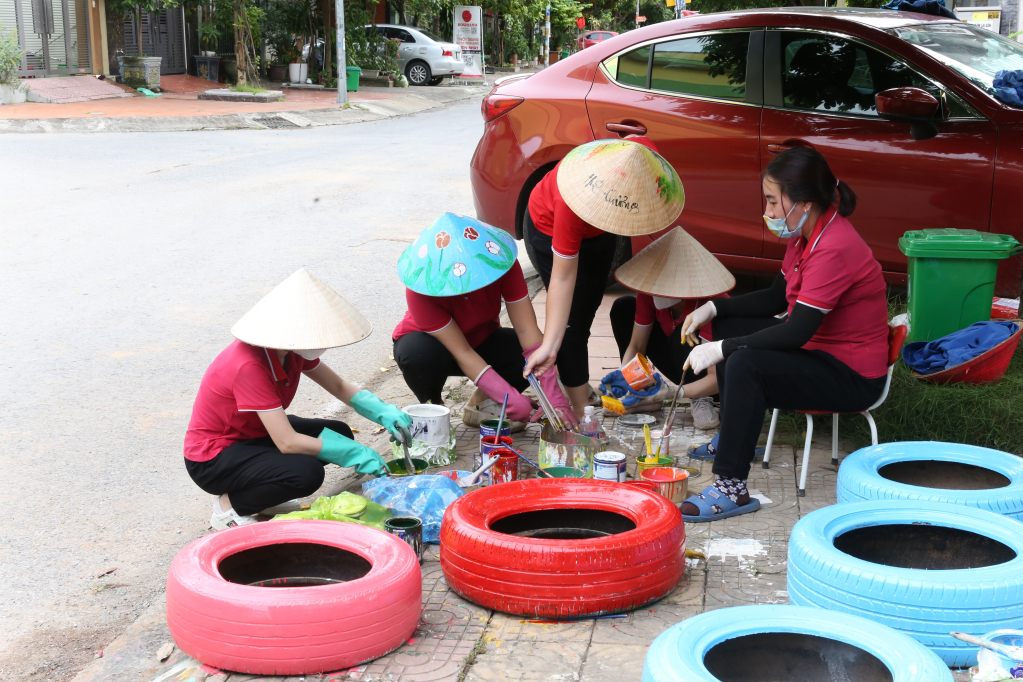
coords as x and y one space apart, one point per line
179 110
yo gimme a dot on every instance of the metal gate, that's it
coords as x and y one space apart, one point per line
53 33
162 36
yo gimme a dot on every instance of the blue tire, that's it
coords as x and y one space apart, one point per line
925 604
858 477
679 654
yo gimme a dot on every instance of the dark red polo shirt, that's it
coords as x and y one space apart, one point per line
834 271
552 216
241 381
477 314
647 313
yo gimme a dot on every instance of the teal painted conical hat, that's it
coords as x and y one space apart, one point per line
456 255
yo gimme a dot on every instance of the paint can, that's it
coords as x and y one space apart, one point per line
506 469
488 444
488 427
672 483
431 424
641 464
609 466
638 373
568 449
408 529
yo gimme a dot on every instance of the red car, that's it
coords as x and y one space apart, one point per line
594 38
900 104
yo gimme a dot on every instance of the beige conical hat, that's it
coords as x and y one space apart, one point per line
676 266
621 187
302 313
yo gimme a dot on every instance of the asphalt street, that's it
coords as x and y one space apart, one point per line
126 258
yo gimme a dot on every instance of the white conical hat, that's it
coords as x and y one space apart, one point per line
302 313
621 186
676 266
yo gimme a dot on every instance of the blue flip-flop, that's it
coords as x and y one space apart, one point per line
707 451
711 496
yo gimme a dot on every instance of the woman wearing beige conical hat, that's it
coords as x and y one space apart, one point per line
672 277
599 191
240 444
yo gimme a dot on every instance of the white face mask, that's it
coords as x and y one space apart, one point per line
311 354
660 302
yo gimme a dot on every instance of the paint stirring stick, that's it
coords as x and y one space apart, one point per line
650 458
669 422
500 420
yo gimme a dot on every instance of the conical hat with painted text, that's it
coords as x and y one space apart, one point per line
676 266
302 313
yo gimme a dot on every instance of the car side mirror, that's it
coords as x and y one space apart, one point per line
915 106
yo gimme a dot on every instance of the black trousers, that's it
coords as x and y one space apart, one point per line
256 475
596 257
753 380
668 353
426 364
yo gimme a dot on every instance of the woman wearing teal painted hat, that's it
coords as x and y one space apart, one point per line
457 272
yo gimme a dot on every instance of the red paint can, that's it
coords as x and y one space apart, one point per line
506 469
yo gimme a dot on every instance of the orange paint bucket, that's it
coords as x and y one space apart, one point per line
672 482
638 373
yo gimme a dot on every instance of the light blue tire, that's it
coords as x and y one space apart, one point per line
858 477
925 604
678 653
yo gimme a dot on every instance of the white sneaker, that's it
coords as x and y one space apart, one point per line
704 415
282 508
222 520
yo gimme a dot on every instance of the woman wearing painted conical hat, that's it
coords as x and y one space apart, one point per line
599 190
241 445
456 274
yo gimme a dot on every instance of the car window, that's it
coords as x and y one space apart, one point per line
977 54
605 36
400 34
592 36
633 67
828 73
432 36
707 66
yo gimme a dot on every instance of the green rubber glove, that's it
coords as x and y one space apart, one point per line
376 410
345 452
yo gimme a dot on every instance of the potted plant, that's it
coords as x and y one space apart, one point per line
140 71
207 63
12 89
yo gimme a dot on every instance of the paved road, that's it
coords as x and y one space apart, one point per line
125 260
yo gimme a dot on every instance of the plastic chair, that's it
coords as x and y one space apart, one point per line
896 337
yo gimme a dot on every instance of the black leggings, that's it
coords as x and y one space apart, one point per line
668 353
256 475
753 380
596 256
426 364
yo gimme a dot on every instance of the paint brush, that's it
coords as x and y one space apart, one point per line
650 458
670 421
529 462
1013 652
500 420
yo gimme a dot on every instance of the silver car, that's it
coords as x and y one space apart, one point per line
424 58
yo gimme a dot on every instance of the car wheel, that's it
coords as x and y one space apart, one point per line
436 80
780 642
922 568
554 548
293 597
937 472
418 73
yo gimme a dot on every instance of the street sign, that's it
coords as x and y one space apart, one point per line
468 35
640 19
580 22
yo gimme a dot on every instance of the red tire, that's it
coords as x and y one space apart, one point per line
640 561
217 617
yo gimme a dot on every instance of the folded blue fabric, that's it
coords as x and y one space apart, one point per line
615 385
1008 87
928 357
933 7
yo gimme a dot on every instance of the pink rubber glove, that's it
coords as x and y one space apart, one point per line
494 385
559 401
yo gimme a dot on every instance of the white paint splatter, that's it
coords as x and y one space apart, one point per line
730 547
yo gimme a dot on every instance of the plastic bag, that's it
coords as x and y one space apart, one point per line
989 668
344 507
425 497
437 455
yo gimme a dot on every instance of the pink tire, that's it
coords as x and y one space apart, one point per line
358 597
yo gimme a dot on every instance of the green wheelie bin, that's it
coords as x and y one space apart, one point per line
952 278
352 74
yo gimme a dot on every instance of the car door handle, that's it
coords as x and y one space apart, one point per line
626 128
776 148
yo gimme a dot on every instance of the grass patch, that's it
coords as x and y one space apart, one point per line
245 87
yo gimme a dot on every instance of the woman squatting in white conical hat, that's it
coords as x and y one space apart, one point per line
240 444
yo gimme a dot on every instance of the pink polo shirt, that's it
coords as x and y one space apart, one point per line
242 381
834 271
647 313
